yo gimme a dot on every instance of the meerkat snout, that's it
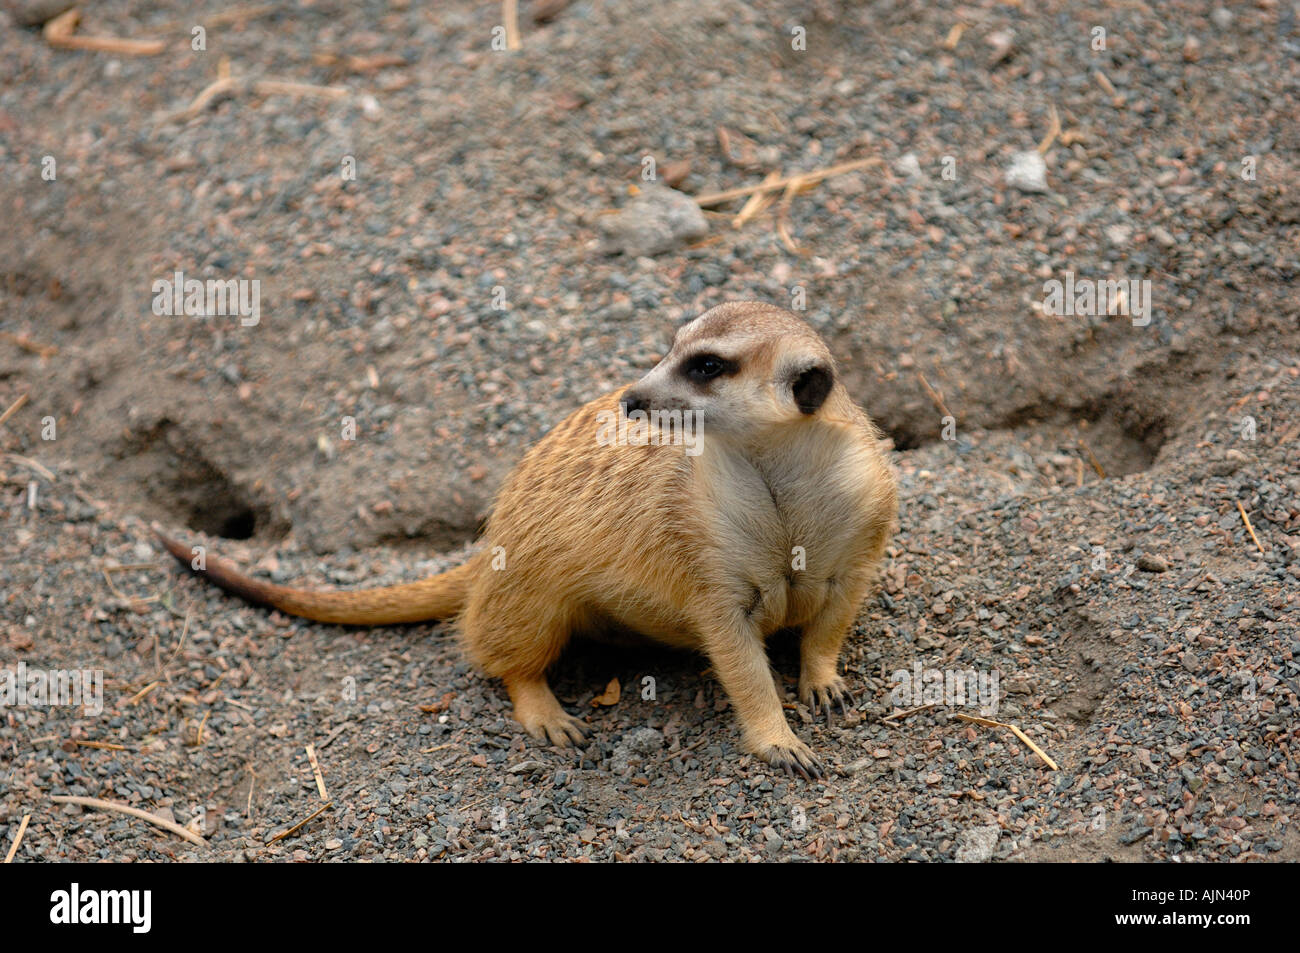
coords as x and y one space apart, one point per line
634 402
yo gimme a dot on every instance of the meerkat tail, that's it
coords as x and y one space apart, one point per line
437 597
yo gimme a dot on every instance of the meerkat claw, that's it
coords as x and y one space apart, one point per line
565 731
825 698
792 760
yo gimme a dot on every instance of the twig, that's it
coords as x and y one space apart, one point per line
13 408
315 769
135 699
793 187
284 834
990 723
226 83
103 805
18 839
934 395
510 17
724 142
803 178
1104 82
1096 464
783 233
954 36
1052 133
59 33
208 21
269 87
1250 529
200 102
757 203
198 735
28 345
332 735
101 745
669 756
908 712
179 642
32 464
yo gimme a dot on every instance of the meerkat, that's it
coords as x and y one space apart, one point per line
734 491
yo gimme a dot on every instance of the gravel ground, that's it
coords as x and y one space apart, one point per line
1076 529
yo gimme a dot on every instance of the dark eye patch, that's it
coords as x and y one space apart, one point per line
701 368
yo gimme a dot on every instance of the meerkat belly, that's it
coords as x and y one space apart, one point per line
626 614
784 597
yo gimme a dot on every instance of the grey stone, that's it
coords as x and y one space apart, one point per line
645 741
975 846
656 221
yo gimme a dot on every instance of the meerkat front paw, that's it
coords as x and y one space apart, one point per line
792 756
828 693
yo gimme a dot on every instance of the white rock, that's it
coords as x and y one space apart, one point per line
1027 172
976 845
908 165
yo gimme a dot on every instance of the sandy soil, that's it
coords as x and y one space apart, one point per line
1078 526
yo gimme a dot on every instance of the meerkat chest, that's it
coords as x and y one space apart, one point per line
783 527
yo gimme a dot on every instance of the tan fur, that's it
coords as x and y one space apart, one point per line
695 551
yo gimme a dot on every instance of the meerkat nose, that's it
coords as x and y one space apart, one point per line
633 401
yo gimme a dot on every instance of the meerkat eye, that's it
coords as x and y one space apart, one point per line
705 367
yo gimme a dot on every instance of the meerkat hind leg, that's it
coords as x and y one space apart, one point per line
517 643
540 712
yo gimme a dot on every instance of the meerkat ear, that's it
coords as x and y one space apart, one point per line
811 386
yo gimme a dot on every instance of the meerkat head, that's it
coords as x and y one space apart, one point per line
744 368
